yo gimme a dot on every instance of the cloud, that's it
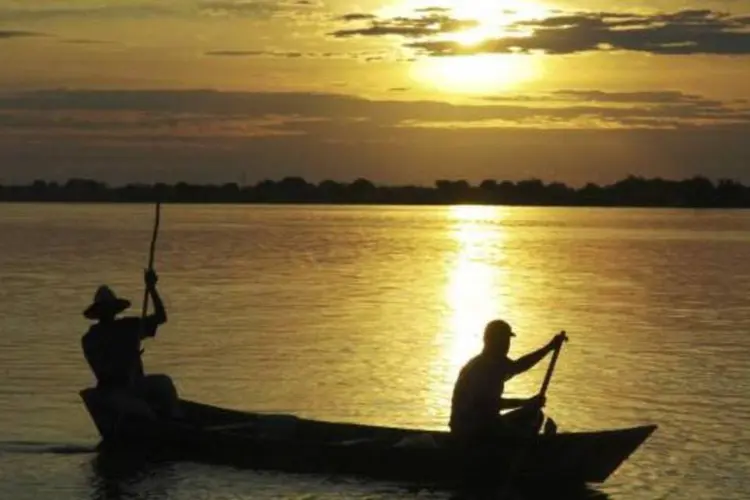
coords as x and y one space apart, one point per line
679 33
430 23
86 10
672 109
11 34
357 16
434 10
360 55
201 135
86 41
257 53
8 34
257 8
150 8
662 97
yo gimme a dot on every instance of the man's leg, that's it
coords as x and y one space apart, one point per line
523 421
160 392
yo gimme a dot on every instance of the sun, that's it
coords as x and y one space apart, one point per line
480 72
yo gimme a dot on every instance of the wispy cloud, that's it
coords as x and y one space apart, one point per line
359 55
8 34
427 24
563 108
260 8
579 134
358 16
86 41
256 53
64 10
30 11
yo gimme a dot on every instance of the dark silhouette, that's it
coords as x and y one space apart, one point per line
696 192
132 474
542 491
478 393
112 347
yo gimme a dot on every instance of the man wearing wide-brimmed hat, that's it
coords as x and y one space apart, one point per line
478 393
112 346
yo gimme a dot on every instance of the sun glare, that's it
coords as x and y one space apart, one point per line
475 74
480 72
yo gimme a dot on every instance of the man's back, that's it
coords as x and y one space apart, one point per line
112 350
477 393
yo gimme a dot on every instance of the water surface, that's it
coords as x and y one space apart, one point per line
366 314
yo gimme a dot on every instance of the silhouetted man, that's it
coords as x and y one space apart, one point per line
478 393
112 347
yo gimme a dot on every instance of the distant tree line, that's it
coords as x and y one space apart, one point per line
696 192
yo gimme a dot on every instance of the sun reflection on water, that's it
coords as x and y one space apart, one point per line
474 292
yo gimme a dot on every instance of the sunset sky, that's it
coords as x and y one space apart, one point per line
397 91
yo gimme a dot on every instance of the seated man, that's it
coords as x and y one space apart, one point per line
478 393
112 347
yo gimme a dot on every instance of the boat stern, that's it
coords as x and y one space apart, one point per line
109 410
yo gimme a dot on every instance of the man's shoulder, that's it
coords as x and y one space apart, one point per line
128 322
472 363
486 364
474 367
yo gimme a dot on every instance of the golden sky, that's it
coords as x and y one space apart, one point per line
395 91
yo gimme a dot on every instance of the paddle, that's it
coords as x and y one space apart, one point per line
551 368
524 450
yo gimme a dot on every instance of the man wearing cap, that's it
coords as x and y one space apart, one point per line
478 393
112 347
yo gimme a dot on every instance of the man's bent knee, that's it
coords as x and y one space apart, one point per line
160 392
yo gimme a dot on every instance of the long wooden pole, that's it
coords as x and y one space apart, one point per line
152 250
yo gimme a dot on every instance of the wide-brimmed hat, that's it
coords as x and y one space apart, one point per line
105 302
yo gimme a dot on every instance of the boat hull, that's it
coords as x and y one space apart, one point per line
288 443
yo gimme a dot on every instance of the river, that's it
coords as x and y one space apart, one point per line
366 314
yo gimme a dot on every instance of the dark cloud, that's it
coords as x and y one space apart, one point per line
434 10
356 16
85 41
256 8
432 23
599 96
364 55
8 34
138 10
36 12
258 53
679 33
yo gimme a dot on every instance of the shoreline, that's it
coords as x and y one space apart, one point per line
632 192
365 204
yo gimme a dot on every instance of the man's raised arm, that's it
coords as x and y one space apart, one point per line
159 317
530 360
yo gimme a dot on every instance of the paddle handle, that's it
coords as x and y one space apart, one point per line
151 252
552 363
